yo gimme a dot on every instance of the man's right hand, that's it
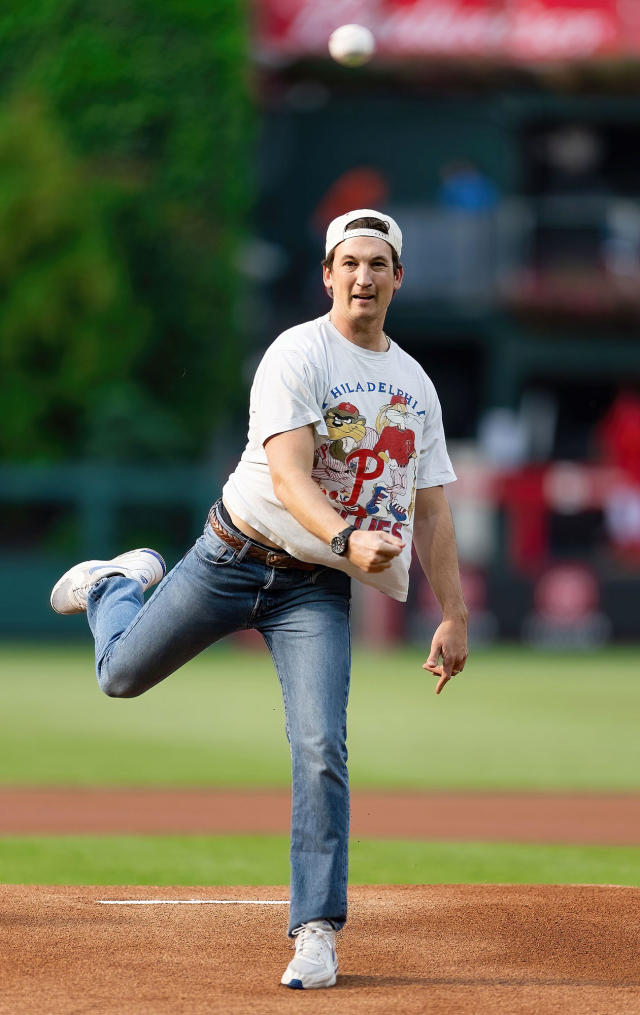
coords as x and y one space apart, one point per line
373 551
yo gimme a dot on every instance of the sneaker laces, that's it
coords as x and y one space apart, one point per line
313 941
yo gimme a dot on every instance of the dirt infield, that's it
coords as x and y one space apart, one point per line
443 949
459 950
489 817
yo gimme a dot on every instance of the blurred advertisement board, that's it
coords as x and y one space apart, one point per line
524 31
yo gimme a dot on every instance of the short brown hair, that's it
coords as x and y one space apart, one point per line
365 223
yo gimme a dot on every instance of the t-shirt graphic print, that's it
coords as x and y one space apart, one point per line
369 472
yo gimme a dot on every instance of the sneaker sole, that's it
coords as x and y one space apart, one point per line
297 984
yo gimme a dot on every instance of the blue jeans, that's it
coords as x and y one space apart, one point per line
303 617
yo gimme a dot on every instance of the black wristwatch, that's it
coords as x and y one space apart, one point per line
340 542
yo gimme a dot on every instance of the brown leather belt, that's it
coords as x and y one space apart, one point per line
273 558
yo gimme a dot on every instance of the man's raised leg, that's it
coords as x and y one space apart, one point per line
138 644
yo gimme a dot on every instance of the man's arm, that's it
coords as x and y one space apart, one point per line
435 543
290 458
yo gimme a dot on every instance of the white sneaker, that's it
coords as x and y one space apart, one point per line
315 963
69 594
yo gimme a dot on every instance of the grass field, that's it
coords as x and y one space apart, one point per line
514 720
263 860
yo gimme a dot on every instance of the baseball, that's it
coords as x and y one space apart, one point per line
352 45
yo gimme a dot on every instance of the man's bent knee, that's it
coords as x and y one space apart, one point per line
119 685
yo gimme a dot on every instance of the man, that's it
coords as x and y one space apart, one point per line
280 547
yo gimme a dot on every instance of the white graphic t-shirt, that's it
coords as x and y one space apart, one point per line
378 439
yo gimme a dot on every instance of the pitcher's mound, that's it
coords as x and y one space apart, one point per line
452 949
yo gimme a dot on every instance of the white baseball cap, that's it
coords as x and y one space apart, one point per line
339 229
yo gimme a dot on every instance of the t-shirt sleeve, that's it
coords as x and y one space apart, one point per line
434 466
285 395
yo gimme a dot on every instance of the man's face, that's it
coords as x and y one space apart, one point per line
362 278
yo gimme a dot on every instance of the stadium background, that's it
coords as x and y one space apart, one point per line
165 182
166 175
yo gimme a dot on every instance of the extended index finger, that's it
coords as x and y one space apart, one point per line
444 679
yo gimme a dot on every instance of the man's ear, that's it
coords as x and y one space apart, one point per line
326 280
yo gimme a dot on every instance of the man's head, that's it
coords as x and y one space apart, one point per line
362 269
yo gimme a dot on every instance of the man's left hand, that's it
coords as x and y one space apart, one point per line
449 644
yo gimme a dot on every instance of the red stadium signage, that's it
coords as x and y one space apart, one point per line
557 29
516 30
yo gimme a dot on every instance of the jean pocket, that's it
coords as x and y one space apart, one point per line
210 549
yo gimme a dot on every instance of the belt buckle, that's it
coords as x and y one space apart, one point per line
273 558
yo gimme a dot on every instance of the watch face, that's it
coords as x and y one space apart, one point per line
338 544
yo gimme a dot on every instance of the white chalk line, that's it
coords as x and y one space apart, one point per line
193 902
269 902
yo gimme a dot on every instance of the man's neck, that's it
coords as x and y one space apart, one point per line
369 335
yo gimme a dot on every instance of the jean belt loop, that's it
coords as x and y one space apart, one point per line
244 551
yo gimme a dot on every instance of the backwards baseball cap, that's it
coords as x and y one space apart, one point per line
339 229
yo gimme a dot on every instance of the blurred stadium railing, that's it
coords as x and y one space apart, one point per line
54 516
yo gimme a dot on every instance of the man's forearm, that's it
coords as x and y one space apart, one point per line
290 456
435 543
304 499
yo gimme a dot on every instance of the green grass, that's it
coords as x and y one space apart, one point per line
515 719
263 860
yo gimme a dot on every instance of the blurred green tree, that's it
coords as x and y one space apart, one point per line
69 327
132 121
